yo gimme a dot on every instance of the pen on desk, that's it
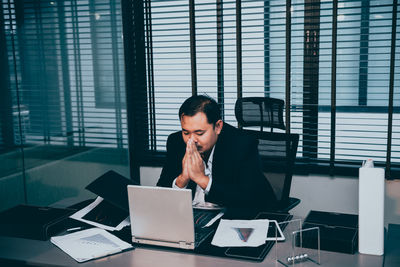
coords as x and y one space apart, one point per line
74 229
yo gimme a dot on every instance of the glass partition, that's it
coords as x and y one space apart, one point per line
63 115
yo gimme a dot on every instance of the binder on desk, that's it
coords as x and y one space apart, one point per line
110 210
111 186
33 222
245 253
338 231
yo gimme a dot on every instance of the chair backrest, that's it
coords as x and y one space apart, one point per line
277 150
278 154
260 111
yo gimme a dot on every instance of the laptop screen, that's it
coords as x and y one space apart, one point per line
161 216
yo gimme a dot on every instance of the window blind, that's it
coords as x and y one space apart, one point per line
335 71
66 72
336 64
170 62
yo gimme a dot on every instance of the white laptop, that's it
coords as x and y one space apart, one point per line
164 217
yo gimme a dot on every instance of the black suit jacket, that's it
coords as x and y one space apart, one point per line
237 178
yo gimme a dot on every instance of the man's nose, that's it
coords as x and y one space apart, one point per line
193 137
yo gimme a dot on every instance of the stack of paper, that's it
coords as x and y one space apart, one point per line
90 244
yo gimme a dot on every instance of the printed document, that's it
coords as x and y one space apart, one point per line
90 244
241 233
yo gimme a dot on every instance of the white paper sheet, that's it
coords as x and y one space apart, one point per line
81 213
229 233
90 244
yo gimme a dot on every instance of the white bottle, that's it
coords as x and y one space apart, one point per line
371 201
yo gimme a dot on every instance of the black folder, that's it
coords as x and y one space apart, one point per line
114 207
338 231
33 222
245 253
112 187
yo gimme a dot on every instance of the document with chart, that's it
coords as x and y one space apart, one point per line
241 233
90 244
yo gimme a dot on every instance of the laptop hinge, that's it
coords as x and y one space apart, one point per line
184 244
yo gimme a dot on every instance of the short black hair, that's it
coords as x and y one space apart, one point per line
201 103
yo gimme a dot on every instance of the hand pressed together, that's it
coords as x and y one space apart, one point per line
192 167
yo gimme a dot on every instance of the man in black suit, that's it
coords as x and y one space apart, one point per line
218 162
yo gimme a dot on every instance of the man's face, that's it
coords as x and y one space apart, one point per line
204 134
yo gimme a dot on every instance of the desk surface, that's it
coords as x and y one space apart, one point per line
44 253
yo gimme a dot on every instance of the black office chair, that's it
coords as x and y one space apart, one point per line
260 111
277 150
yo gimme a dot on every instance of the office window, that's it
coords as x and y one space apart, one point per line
63 115
342 61
171 59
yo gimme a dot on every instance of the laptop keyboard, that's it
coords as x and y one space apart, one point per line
201 234
201 218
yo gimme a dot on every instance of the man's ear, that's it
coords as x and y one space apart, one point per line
218 126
